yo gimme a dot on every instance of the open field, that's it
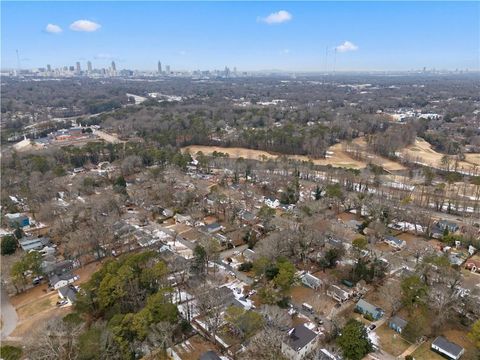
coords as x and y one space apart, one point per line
338 159
423 152
390 341
424 353
387 164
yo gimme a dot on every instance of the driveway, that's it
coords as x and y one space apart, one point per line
9 315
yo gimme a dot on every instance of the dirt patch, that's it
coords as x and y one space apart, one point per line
337 158
424 353
86 272
421 151
35 307
391 341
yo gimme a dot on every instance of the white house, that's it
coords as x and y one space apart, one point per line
299 343
337 293
311 281
272 202
395 242
59 281
447 348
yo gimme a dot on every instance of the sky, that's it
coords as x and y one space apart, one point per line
291 36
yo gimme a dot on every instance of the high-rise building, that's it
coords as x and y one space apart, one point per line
78 69
89 66
167 69
114 68
159 69
49 68
71 68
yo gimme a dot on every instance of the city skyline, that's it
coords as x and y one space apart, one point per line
286 36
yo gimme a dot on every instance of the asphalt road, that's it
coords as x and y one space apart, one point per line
9 315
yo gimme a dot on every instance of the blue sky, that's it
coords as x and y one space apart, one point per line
248 35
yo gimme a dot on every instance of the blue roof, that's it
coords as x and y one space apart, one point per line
367 307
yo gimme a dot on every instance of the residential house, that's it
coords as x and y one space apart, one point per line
300 342
473 264
368 309
68 293
337 293
50 268
17 220
397 323
213 228
249 255
33 243
272 202
450 225
247 217
210 355
324 354
58 281
311 281
183 219
447 348
395 242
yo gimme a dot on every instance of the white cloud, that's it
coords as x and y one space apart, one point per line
285 51
182 52
84 25
53 29
277 17
346 46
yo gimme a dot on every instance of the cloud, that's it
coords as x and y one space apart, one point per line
277 17
53 29
346 46
182 52
84 25
285 51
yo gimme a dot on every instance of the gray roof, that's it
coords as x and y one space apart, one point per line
398 321
300 336
32 243
311 279
68 292
395 240
56 278
210 355
447 346
366 306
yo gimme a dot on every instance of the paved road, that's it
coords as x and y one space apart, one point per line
9 315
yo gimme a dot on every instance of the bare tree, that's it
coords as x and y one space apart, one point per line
57 340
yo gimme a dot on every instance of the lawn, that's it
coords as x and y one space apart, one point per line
424 353
390 341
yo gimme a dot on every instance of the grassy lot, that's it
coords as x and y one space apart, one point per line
36 307
390 341
424 353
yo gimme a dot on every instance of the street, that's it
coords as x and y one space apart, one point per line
9 315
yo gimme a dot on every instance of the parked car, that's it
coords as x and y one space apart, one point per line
37 280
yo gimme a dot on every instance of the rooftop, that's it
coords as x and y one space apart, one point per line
300 336
448 346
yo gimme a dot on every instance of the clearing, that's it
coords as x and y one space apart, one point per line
390 341
422 152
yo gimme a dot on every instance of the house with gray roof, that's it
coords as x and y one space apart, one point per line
397 323
68 293
447 348
395 242
33 243
311 281
337 293
368 309
299 342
